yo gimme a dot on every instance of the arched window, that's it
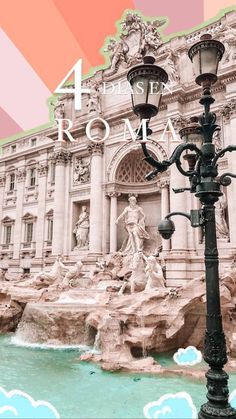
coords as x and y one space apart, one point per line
132 168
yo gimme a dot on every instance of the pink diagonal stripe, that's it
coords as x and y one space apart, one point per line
182 14
7 125
23 94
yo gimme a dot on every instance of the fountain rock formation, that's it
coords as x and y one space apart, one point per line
126 311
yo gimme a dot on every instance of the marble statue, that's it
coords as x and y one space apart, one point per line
137 39
131 23
222 231
154 273
151 38
82 171
72 277
138 279
59 111
94 97
118 51
81 229
44 279
55 274
229 43
217 140
170 67
101 265
134 219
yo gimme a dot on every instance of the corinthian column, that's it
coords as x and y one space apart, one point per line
113 217
96 210
42 185
20 178
165 207
2 190
61 158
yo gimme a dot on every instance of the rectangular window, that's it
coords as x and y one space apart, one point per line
28 232
7 234
33 142
50 230
12 182
32 177
13 148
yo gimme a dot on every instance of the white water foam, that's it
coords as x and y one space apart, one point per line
16 341
69 300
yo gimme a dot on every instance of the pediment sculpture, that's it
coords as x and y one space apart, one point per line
138 38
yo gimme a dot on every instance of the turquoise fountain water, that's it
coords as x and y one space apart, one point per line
82 390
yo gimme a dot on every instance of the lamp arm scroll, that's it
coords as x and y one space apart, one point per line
222 152
225 178
183 214
175 158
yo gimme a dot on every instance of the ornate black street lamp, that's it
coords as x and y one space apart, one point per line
205 183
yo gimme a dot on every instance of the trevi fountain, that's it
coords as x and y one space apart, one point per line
91 317
120 316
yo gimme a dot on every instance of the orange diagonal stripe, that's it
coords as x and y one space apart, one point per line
41 34
92 21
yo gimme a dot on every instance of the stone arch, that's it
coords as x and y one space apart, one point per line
10 169
155 149
31 162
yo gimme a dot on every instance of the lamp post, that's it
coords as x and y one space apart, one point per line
205 183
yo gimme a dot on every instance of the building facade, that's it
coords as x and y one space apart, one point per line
64 197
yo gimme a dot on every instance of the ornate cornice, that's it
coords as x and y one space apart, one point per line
21 175
228 110
2 180
42 169
179 122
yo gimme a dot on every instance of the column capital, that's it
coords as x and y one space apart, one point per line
21 174
113 194
61 157
42 169
163 183
96 149
228 109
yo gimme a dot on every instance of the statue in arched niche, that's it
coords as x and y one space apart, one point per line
81 229
222 230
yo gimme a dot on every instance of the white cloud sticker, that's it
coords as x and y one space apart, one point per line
188 356
232 399
17 404
171 406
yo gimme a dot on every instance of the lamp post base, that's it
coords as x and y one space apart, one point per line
208 411
217 406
